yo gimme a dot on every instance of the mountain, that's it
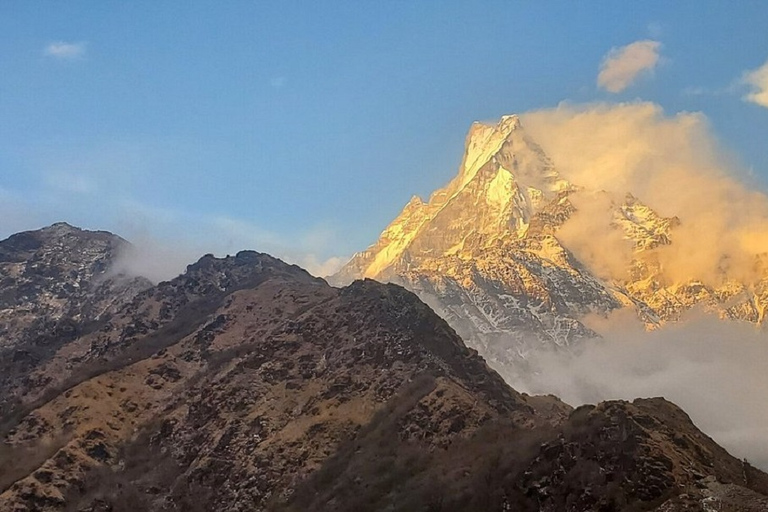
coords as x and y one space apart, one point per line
644 455
488 253
56 283
250 371
247 384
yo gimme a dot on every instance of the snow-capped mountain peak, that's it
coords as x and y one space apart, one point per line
489 253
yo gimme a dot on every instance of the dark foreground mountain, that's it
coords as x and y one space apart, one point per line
56 284
248 384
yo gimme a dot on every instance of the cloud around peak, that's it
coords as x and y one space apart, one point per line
675 165
65 51
716 371
622 66
757 80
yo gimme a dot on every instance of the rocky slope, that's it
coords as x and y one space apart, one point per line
248 384
644 455
486 252
245 373
56 283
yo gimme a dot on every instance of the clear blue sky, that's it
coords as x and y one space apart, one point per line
304 127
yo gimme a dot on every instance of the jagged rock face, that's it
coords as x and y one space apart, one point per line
56 272
483 252
56 283
486 252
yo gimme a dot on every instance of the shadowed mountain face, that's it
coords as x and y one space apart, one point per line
248 384
56 284
488 253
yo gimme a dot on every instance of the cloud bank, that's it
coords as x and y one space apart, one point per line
65 51
111 186
716 371
671 163
621 66
757 80
164 242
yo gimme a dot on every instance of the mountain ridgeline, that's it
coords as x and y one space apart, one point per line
247 384
487 253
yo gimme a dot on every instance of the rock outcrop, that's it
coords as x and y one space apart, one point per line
56 284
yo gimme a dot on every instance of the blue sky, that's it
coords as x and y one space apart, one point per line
302 128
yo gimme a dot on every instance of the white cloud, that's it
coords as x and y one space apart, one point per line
65 51
103 186
757 80
158 256
71 182
671 163
716 371
655 29
622 66
165 241
154 258
319 267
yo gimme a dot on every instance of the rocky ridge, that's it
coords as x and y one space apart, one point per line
56 284
248 384
242 366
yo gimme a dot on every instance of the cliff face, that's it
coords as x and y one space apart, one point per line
487 252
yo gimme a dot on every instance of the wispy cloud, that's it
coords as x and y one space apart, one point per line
676 166
716 371
71 182
165 241
65 51
735 87
109 185
621 66
757 80
655 29
697 90
277 82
